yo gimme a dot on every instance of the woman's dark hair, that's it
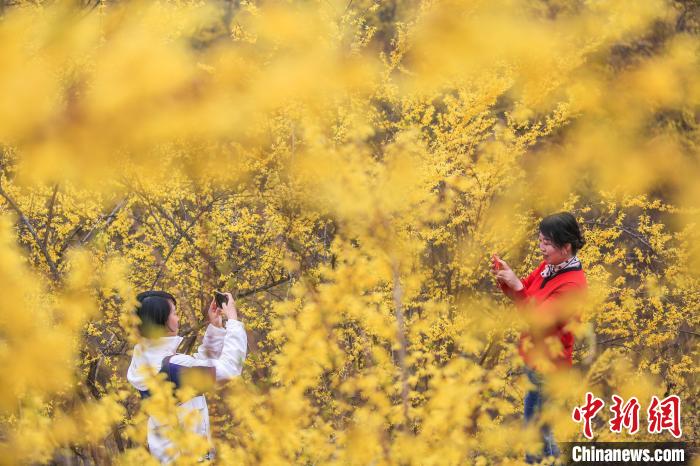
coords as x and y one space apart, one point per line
153 310
562 228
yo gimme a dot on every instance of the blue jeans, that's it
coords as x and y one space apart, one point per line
534 400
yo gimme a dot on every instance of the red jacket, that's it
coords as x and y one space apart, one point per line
544 300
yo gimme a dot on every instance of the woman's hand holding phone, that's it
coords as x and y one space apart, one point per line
498 265
503 273
495 263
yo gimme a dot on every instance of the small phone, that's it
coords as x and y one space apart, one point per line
220 298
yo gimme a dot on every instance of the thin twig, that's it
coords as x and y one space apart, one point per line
67 241
482 359
50 216
623 229
347 7
614 339
403 345
656 332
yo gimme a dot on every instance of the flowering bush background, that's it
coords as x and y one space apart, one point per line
348 168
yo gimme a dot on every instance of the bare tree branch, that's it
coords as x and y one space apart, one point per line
77 230
244 294
611 340
109 218
52 265
205 255
182 232
179 239
624 229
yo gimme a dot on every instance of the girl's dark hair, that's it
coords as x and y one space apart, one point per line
562 228
153 310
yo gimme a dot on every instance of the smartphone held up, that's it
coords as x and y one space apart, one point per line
495 262
220 298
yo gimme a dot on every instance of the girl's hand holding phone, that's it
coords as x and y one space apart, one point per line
223 302
214 314
503 273
229 308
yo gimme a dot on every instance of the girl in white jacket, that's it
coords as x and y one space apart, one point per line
222 352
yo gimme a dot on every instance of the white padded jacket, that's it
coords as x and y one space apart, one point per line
224 349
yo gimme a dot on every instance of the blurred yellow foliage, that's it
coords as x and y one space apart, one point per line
346 169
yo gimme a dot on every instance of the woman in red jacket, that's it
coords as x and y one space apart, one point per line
547 297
